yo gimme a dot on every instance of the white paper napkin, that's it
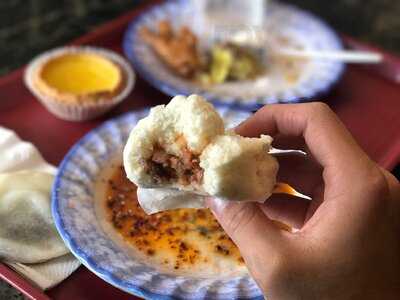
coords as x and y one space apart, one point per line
49 273
17 155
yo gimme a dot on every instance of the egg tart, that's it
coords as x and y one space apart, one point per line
79 83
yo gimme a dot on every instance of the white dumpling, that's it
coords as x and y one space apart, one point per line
27 231
185 146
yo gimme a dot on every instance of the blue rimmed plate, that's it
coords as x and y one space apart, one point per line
313 78
74 195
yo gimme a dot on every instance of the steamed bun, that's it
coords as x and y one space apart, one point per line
238 168
184 145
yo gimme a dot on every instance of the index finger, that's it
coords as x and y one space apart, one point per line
327 138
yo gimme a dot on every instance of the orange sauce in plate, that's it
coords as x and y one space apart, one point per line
178 238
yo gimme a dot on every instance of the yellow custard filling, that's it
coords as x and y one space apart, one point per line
81 73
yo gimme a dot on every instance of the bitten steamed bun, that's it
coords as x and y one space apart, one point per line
184 146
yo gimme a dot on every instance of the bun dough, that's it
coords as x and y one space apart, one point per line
184 146
27 232
239 168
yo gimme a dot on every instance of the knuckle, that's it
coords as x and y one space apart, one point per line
265 109
392 181
377 181
319 108
377 190
290 119
396 188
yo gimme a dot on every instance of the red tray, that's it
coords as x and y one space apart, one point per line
366 99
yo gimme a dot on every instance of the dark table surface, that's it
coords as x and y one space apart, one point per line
30 27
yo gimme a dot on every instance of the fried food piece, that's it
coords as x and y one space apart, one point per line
176 49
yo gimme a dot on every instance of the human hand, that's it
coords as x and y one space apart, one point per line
348 242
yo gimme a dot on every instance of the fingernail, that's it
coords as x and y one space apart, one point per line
216 205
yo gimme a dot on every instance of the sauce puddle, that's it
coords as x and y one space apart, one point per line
177 239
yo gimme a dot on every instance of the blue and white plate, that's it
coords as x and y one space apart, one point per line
300 28
80 226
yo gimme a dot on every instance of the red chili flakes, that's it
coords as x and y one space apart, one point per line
201 214
153 234
192 259
183 246
169 231
165 218
222 249
203 231
185 217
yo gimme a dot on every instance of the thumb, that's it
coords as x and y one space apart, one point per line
247 225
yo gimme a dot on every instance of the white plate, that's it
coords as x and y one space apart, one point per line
302 28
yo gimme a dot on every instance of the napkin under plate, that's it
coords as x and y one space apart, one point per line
17 155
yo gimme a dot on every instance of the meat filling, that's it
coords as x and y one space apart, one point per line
168 168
